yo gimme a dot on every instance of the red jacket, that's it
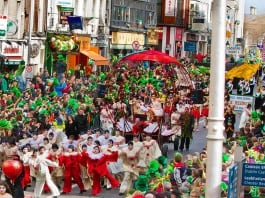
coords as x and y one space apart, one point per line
98 165
70 161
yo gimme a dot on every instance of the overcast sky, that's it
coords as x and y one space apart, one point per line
259 4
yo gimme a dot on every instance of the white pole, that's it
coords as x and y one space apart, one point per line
216 101
31 23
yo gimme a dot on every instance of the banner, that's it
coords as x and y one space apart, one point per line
170 8
240 102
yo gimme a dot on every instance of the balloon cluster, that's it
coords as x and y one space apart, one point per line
62 45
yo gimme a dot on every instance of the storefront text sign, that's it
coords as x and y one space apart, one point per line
170 8
127 38
232 184
253 174
3 26
64 3
12 50
240 102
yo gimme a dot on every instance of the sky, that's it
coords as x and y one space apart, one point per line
259 4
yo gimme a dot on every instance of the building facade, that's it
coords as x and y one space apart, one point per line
173 19
78 31
132 25
12 42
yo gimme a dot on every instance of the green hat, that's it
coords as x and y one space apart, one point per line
17 92
4 124
52 94
163 161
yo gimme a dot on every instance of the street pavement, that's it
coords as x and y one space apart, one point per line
197 144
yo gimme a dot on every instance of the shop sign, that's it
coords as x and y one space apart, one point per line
190 46
64 13
240 102
178 34
253 174
127 38
152 37
233 50
64 3
198 24
12 50
3 26
233 179
170 8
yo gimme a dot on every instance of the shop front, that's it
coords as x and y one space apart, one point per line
123 43
73 51
13 56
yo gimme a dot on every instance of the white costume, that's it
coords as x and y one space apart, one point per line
130 160
43 175
107 119
157 108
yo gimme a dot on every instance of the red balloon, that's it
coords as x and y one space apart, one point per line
12 168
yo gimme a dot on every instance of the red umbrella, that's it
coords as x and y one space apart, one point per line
151 55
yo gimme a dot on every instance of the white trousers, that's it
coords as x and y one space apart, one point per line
40 181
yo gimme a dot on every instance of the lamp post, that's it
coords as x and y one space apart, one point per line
216 101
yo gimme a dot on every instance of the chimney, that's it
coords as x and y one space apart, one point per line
253 10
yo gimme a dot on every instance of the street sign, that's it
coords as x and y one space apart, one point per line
3 26
253 174
232 182
29 71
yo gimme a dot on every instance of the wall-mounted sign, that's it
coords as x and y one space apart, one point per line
170 8
127 38
11 28
75 22
12 50
64 3
152 37
198 24
64 13
190 46
3 26
34 50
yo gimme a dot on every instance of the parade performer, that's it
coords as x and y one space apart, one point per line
43 174
150 149
96 163
107 118
56 172
186 121
115 168
130 159
24 156
71 161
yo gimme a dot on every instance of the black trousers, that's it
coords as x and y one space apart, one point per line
186 141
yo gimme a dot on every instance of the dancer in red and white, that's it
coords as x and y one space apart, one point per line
96 162
71 162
